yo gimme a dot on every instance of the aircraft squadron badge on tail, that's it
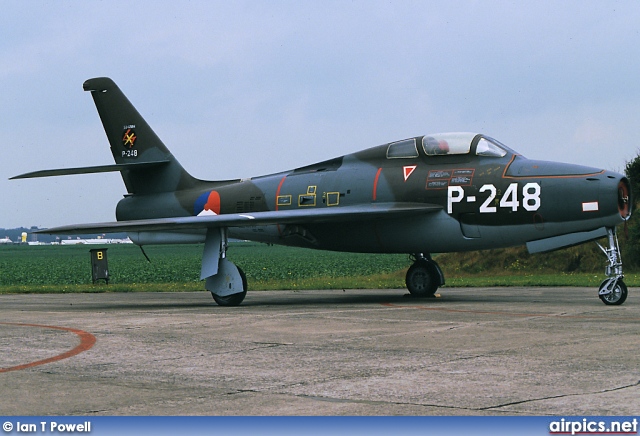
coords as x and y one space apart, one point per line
436 193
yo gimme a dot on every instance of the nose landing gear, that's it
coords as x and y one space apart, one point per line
613 291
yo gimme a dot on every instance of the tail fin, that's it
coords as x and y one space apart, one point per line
134 142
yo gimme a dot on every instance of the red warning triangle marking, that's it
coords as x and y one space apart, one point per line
408 170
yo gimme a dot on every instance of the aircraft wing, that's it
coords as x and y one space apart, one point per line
299 216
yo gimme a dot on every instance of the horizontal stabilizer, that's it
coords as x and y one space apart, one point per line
565 241
90 170
298 216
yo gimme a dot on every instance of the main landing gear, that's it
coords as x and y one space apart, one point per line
226 282
424 276
230 278
613 291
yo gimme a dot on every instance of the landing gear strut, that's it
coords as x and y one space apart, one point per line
613 291
424 276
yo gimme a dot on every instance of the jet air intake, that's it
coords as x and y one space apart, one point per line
624 199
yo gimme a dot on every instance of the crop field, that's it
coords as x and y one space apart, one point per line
42 269
33 268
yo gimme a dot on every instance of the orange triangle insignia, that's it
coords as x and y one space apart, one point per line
408 170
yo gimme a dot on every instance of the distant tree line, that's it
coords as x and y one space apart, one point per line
630 235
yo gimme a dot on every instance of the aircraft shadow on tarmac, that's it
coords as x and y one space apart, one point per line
487 297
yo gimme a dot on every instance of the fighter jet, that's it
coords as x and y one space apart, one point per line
437 193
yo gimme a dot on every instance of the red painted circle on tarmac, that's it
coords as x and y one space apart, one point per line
87 340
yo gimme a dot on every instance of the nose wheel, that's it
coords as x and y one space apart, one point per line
613 291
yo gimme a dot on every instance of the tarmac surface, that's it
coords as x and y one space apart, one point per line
483 351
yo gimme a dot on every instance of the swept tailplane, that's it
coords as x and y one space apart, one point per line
146 164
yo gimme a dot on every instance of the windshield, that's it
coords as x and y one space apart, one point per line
402 149
489 147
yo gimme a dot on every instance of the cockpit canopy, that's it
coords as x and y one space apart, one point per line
441 144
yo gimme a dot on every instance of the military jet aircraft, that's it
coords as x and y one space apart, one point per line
436 193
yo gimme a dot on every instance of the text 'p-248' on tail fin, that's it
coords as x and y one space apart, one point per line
134 143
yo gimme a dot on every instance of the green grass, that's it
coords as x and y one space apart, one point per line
174 268
177 267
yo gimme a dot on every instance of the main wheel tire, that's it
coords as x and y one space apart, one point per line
233 299
617 297
422 279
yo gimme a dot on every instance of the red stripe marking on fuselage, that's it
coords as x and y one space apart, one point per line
277 195
375 184
87 340
278 190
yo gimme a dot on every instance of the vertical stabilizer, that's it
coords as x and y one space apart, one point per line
133 141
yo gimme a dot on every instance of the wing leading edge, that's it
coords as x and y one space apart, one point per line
326 215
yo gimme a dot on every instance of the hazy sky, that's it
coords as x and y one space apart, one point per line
245 88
